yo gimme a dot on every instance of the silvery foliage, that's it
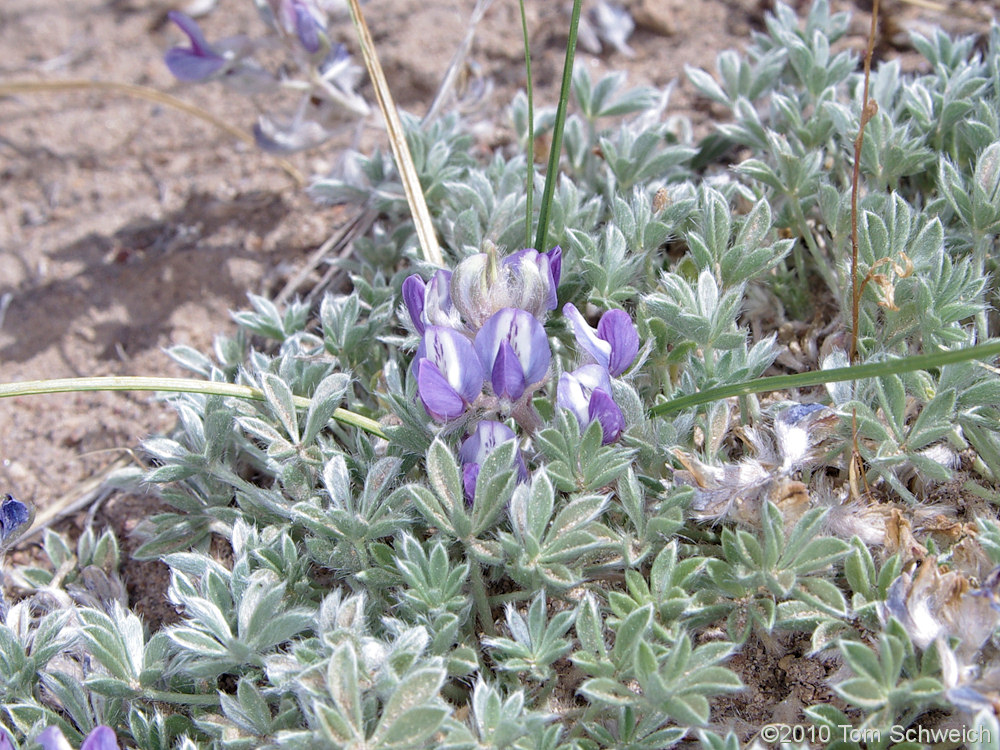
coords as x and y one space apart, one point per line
362 600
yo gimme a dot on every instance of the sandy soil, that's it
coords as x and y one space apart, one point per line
127 227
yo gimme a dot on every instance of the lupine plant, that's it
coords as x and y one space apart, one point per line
543 493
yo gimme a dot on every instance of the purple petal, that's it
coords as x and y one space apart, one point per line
438 309
190 67
571 395
102 738
192 30
52 738
617 328
455 356
555 266
598 349
470 473
5 741
606 411
507 377
436 394
307 28
484 440
413 295
480 444
543 262
196 63
576 389
526 337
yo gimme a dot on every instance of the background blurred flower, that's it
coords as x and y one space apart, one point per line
14 517
198 62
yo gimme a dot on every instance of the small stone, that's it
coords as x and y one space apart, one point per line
654 15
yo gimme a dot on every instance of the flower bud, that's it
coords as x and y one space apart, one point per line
482 285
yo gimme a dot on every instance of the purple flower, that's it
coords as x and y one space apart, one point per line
13 516
449 373
430 304
102 738
480 444
613 345
5 743
198 62
514 349
587 393
307 27
482 285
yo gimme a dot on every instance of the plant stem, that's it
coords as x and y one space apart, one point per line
188 698
552 172
822 263
510 596
868 110
530 156
480 598
397 141
171 385
835 375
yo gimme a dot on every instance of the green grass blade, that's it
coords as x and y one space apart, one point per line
836 375
552 172
530 186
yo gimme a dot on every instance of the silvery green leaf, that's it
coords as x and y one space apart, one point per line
445 477
343 681
281 402
324 401
607 690
629 633
934 421
413 712
861 692
263 620
705 84
119 652
112 688
494 486
197 642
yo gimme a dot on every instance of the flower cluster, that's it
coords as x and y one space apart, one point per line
484 350
482 325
